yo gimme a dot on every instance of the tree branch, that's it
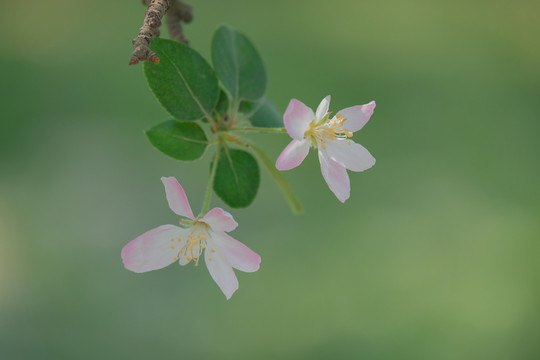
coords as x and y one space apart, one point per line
177 12
150 28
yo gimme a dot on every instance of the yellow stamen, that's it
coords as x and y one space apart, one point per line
172 247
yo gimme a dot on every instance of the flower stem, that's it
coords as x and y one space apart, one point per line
208 196
259 129
292 199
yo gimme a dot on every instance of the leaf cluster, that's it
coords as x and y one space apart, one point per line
206 102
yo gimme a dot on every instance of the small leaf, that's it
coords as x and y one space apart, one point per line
222 106
238 65
237 177
183 82
249 108
179 140
267 116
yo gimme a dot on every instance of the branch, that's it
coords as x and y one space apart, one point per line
152 22
177 12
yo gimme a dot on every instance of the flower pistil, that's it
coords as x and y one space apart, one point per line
328 130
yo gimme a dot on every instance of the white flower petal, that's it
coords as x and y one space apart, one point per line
322 109
237 254
357 116
335 175
219 220
154 249
219 268
349 154
176 196
297 118
293 154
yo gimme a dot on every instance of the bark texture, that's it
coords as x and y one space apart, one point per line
177 12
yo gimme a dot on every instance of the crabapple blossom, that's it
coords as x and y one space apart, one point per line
330 136
205 233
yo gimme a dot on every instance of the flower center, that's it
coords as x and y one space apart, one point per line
325 130
193 247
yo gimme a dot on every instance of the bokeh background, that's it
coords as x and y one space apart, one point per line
435 256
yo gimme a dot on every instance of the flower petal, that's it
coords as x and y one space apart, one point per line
357 116
335 175
154 249
220 269
237 254
293 154
322 109
219 220
349 154
176 196
297 118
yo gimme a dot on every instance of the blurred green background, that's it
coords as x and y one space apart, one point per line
435 256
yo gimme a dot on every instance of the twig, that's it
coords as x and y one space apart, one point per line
152 22
177 12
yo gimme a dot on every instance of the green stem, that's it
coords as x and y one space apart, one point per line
234 110
280 180
259 129
208 196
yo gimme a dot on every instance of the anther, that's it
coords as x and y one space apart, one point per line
172 247
213 250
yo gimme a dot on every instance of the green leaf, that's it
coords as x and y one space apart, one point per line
267 116
249 108
179 140
183 82
238 65
237 177
222 106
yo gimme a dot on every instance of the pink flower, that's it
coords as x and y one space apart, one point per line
206 234
337 152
